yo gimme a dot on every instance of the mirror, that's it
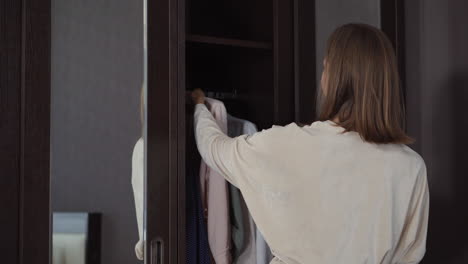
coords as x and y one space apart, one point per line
97 131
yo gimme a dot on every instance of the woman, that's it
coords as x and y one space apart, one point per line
345 189
138 178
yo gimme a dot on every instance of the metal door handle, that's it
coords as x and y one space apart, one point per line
157 251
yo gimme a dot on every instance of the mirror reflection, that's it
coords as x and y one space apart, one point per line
97 131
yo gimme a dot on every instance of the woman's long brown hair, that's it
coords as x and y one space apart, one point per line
361 85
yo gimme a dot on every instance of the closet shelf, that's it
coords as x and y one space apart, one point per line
228 42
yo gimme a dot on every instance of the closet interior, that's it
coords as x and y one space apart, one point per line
239 52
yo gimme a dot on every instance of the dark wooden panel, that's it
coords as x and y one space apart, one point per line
181 136
228 42
413 81
10 81
304 62
35 119
283 61
162 130
174 95
25 102
157 159
238 19
93 242
393 24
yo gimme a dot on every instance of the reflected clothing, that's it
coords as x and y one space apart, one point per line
215 196
138 191
320 195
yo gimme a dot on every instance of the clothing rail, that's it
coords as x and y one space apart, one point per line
222 95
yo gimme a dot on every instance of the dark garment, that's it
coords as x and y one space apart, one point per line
197 248
237 222
238 228
243 230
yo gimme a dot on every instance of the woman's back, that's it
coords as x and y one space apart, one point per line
322 196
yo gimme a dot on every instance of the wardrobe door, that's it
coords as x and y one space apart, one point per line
97 143
165 148
304 61
392 22
24 131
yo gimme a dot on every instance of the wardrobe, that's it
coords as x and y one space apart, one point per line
260 57
257 56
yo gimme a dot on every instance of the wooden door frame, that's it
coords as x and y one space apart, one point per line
24 134
165 218
392 22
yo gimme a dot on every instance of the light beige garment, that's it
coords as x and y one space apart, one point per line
322 196
215 197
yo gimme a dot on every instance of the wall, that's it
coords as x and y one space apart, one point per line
437 90
330 14
97 71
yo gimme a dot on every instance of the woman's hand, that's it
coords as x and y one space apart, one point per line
198 96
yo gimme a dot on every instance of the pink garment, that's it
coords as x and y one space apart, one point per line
214 192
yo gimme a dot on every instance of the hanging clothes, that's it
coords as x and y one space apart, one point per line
249 244
264 254
197 247
215 197
242 226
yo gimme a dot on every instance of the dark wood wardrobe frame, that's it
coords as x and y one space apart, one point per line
24 131
25 125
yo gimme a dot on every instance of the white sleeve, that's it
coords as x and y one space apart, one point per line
412 245
138 192
230 157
